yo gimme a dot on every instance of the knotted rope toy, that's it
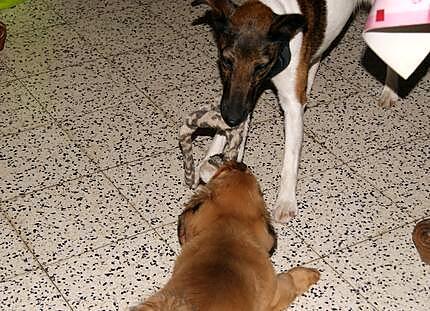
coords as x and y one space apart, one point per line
421 238
207 117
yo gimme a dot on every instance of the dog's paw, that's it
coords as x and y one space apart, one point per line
285 211
388 98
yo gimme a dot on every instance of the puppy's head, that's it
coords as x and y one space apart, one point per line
253 44
232 192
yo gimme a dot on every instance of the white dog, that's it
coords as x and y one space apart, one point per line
281 40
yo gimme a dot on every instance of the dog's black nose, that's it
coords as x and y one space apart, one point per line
233 117
232 121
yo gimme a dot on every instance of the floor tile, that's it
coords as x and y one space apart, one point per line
337 209
291 250
415 107
122 133
92 96
5 73
74 217
267 108
14 256
116 276
155 186
169 233
179 103
42 50
39 158
158 68
387 271
71 11
31 291
18 109
264 153
77 90
329 87
357 127
125 30
29 15
401 173
184 14
330 293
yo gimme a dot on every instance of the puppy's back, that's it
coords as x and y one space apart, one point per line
225 271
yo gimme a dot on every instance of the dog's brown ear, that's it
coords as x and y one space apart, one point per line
221 11
284 27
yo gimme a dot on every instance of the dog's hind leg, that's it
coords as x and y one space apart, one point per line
389 95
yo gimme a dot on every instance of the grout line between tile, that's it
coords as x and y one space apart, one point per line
30 250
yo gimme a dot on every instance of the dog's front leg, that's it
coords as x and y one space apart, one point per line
287 85
286 205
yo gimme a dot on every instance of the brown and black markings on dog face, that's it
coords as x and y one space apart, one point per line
253 45
244 200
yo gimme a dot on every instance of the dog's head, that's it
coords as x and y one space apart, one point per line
232 192
253 44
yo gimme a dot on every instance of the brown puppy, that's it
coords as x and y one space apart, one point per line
226 240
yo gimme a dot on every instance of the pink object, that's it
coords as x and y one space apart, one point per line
398 13
398 31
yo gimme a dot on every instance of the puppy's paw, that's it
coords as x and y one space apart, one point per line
285 210
304 278
388 98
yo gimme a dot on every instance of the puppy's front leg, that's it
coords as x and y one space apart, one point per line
294 283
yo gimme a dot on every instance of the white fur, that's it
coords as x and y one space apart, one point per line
389 96
338 13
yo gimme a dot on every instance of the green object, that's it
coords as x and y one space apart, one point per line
5 4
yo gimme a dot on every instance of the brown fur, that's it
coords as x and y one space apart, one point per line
224 264
315 13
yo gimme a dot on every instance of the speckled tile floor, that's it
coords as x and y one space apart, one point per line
91 97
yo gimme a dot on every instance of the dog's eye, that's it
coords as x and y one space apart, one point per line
195 208
261 67
226 63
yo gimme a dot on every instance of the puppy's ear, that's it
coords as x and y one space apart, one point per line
221 11
284 27
181 229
